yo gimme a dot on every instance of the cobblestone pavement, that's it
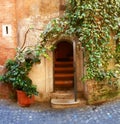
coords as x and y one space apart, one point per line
41 113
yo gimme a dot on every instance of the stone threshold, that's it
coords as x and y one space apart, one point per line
64 103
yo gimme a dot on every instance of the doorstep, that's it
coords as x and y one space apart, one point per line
64 103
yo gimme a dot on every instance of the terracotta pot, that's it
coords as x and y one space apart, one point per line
23 99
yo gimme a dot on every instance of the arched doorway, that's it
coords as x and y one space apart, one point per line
63 66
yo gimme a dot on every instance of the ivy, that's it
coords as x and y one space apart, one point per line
92 22
96 25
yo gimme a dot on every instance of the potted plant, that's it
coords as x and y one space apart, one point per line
17 75
17 70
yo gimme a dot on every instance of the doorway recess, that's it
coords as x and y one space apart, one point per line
63 66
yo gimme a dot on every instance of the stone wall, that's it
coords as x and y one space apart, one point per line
97 93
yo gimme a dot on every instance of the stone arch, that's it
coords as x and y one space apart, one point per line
77 59
43 75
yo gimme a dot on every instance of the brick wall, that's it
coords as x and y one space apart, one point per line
7 17
6 90
8 43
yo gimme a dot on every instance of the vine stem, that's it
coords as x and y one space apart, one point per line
26 33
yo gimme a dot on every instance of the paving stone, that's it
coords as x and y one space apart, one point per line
42 113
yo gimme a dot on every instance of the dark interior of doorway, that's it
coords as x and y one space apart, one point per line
63 66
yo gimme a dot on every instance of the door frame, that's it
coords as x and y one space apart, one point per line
73 43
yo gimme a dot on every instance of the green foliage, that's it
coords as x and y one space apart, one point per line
92 22
17 70
117 53
16 74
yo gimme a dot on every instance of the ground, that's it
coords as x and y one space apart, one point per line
42 113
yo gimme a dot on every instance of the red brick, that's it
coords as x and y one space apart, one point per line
6 91
5 54
8 43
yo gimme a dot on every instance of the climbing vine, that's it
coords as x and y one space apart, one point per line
96 24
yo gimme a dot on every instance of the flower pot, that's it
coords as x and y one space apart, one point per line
23 99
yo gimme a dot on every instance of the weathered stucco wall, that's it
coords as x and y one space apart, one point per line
42 77
33 15
36 14
46 8
24 14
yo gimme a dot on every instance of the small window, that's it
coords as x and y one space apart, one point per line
6 30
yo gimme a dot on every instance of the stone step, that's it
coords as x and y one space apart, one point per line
64 83
64 103
66 94
65 99
64 64
63 70
64 76
62 95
